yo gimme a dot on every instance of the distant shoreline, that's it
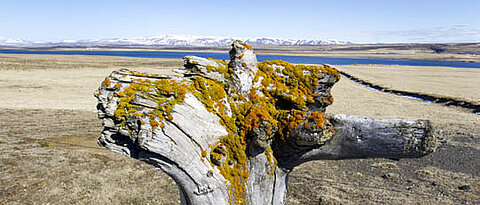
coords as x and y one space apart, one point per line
437 52
296 58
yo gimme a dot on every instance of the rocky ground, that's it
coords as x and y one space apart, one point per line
49 153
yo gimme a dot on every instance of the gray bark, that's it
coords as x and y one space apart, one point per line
179 146
359 138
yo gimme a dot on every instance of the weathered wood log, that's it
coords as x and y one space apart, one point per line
230 132
359 138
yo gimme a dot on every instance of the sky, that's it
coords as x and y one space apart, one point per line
359 21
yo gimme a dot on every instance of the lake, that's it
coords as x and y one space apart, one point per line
291 59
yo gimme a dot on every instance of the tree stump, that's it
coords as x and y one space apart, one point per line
231 132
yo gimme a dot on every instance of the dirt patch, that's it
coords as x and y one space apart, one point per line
62 163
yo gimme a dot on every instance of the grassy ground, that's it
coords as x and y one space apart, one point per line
71 80
434 179
444 81
51 156
48 151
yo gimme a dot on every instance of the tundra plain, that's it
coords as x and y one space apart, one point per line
48 132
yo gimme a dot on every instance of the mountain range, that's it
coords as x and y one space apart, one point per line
166 40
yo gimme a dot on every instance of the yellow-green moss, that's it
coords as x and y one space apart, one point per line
271 161
292 85
168 92
204 153
282 101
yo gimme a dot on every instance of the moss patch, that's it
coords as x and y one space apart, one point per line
275 108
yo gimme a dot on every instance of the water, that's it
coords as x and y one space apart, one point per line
291 59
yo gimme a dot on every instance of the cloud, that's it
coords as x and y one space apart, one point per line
455 33
437 32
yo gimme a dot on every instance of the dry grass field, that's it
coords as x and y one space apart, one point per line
469 52
458 83
49 155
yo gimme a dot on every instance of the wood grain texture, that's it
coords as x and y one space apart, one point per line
185 140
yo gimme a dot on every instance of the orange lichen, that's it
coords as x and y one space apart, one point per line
319 120
151 116
107 82
306 125
247 46
120 94
234 169
271 161
291 87
278 107
287 84
255 116
153 123
167 93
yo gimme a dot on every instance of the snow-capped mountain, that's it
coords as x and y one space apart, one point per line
13 42
290 42
168 40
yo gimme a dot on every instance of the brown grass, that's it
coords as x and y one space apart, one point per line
51 156
461 83
48 62
42 81
48 151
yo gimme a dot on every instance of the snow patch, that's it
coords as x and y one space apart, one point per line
169 40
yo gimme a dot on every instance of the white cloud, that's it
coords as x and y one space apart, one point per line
456 33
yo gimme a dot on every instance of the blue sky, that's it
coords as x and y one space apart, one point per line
359 21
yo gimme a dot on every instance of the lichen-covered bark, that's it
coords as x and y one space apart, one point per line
230 132
359 138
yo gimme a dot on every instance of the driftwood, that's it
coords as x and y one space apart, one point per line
230 132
